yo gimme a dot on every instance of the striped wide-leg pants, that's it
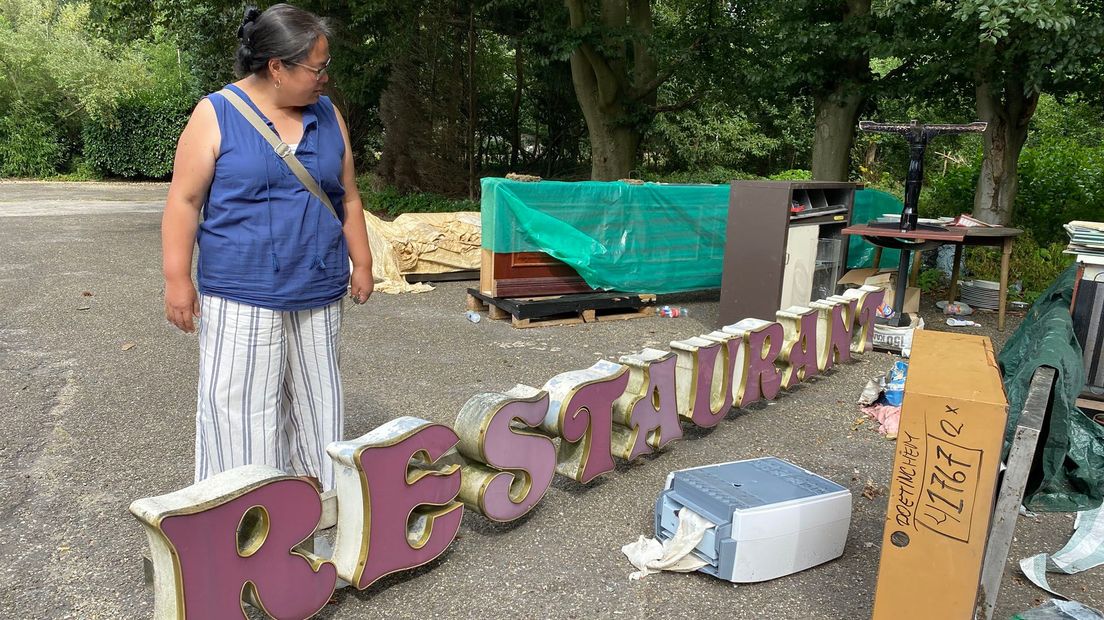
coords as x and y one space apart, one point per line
269 389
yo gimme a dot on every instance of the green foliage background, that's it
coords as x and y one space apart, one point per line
102 88
72 101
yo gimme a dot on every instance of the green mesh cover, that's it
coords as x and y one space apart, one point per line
650 238
870 204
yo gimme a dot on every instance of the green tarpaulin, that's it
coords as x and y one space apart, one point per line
649 238
1068 472
643 238
870 204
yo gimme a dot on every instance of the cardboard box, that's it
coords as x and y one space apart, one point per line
886 279
943 481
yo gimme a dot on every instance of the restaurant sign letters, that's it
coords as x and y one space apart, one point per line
402 489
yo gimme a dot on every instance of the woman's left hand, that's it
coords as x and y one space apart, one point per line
361 284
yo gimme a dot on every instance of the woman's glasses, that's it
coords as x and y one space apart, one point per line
318 71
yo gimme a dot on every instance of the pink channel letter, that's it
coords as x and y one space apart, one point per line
508 449
704 415
398 495
802 356
654 417
843 326
864 338
764 379
213 572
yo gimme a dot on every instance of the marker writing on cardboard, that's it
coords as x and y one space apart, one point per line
950 480
906 477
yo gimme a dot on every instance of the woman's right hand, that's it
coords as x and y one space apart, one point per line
181 304
193 170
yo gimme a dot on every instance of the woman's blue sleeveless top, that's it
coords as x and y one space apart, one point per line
265 240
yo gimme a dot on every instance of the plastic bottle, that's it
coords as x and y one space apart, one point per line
667 312
473 316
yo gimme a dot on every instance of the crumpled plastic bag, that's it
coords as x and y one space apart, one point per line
888 417
650 556
1055 609
953 322
895 383
1085 550
873 390
958 308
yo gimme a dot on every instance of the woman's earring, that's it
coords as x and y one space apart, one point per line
277 84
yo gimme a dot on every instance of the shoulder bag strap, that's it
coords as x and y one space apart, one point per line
283 151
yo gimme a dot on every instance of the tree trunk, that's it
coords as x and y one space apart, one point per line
612 152
472 180
837 112
405 144
1008 119
609 85
836 117
515 134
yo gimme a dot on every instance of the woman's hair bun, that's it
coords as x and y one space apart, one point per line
281 32
245 31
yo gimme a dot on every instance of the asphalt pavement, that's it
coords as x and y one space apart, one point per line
97 401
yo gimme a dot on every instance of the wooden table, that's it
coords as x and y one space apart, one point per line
961 236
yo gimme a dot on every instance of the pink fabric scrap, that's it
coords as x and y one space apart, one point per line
888 417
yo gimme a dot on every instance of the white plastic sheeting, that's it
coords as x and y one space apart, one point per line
650 556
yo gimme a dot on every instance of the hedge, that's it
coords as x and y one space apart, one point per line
139 142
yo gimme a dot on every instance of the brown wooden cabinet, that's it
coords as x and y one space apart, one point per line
524 274
761 228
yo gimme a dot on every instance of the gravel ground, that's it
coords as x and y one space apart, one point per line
98 392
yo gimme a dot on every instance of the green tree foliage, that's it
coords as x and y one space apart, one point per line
1008 52
206 31
59 79
29 146
820 51
1060 180
624 52
54 74
139 139
711 134
439 93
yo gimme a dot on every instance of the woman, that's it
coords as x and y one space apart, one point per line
273 264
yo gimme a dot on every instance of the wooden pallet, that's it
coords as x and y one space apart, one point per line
445 276
527 312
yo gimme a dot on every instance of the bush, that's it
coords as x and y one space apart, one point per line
55 75
1033 265
139 142
389 201
792 175
1060 180
931 280
717 175
713 134
29 146
139 138
953 193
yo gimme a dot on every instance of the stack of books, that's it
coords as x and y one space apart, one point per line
1086 238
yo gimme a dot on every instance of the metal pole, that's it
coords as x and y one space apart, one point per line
899 318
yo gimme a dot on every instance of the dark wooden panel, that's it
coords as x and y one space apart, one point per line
936 235
521 260
755 251
520 274
755 243
534 287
